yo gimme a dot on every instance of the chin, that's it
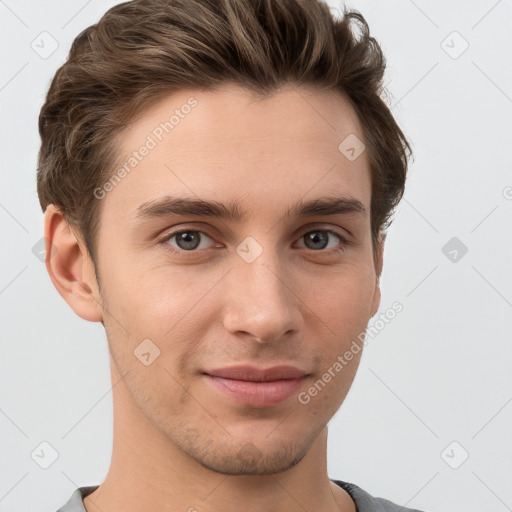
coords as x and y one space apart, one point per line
248 452
247 459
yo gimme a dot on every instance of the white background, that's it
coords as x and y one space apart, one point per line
440 372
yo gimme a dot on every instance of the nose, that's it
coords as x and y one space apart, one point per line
261 302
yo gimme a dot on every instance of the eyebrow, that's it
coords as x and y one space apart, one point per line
170 205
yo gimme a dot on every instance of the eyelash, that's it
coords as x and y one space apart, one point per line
344 242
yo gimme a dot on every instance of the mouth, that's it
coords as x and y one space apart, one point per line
248 385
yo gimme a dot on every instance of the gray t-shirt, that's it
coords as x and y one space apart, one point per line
364 502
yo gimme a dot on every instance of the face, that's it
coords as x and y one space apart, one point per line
198 304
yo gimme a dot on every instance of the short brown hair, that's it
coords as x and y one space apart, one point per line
142 50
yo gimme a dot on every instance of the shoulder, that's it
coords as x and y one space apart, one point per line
75 502
367 503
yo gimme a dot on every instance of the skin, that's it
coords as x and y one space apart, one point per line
179 444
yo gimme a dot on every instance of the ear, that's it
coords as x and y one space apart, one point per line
379 261
70 267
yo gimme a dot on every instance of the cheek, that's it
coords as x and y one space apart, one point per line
345 309
155 297
166 305
343 299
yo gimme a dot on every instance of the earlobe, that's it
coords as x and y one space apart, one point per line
70 267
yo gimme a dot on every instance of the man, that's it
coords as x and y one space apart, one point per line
217 179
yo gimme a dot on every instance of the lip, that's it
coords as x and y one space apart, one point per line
257 387
254 374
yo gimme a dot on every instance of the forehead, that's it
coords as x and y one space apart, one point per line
228 144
